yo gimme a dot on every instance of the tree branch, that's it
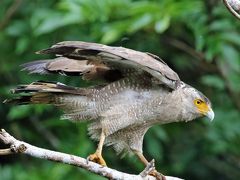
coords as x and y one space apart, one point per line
223 71
192 52
44 132
233 6
9 13
17 146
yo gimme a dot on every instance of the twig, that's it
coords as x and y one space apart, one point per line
10 12
233 6
192 52
223 71
45 133
184 47
28 149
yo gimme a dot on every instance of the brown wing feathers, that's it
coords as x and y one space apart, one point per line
96 61
89 70
116 58
91 61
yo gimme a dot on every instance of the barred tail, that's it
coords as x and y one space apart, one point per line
76 103
42 93
37 98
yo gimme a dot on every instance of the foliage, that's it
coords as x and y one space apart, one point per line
199 39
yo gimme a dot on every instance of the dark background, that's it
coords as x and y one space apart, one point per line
198 39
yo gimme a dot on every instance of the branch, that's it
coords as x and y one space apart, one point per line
44 132
192 52
233 6
9 13
17 146
223 71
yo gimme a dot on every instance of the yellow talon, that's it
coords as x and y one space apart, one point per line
97 158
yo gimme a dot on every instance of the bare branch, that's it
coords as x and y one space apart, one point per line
28 149
192 52
184 47
233 6
45 133
224 71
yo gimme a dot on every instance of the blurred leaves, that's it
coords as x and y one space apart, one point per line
214 81
19 112
207 57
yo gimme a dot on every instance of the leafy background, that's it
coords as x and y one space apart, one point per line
199 39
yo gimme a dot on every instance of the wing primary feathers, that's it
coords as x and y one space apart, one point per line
89 70
99 56
62 51
156 57
36 67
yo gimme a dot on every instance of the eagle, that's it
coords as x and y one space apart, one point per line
134 91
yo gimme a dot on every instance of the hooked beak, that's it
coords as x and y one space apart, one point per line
210 114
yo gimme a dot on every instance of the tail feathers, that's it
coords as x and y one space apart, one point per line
76 103
38 98
43 93
50 87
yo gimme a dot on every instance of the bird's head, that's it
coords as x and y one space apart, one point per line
198 104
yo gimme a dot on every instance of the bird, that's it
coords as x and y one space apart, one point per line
133 91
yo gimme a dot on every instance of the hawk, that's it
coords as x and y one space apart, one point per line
137 90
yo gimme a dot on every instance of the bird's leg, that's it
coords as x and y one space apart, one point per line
97 156
154 173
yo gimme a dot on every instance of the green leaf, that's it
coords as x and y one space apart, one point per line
235 81
56 20
140 22
110 36
17 28
114 31
232 37
214 47
213 81
19 112
22 45
160 133
232 57
154 148
162 25
220 25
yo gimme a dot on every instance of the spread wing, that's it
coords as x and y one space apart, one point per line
93 61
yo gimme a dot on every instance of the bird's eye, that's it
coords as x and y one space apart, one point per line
198 101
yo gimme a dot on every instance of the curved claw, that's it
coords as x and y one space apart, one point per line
157 175
97 158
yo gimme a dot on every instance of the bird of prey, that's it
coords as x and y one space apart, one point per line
137 91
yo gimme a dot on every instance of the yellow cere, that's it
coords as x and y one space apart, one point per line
201 105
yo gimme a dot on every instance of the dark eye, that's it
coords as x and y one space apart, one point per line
198 102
